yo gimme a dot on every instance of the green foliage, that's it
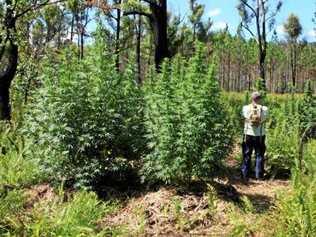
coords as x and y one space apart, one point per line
53 216
307 111
296 211
282 128
293 27
18 168
261 87
234 103
283 138
76 217
11 206
86 120
185 122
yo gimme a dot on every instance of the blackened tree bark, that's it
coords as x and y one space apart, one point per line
262 37
118 33
9 50
6 78
138 52
159 21
159 24
9 53
258 10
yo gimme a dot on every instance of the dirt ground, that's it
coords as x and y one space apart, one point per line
225 208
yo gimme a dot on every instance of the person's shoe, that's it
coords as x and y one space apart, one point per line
260 178
245 180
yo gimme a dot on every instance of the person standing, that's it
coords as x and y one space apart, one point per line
255 115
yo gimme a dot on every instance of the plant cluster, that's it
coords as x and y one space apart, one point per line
188 128
86 120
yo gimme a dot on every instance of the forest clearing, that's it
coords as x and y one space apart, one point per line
129 118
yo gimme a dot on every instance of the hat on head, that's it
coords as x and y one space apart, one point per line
255 95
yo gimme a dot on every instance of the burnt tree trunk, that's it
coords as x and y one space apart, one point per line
11 56
5 82
118 33
159 24
158 20
72 27
138 51
262 73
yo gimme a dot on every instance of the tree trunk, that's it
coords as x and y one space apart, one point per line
9 72
81 42
5 82
72 27
228 72
262 57
194 32
294 65
159 24
118 32
138 52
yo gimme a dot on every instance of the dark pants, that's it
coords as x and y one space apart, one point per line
253 143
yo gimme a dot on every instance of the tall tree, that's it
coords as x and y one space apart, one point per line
108 9
197 11
158 19
138 39
118 34
11 13
293 30
259 14
79 9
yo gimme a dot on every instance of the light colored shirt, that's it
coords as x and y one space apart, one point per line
249 129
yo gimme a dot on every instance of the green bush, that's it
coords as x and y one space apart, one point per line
77 217
187 124
18 167
282 138
86 120
53 216
234 103
18 170
296 210
11 208
307 112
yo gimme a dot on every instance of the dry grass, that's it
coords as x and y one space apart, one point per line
215 212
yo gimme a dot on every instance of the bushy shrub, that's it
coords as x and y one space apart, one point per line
77 217
307 112
18 170
86 120
234 103
282 138
296 210
53 216
11 206
187 125
18 167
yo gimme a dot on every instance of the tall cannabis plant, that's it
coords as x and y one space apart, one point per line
87 119
187 125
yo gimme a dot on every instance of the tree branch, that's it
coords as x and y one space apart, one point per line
250 31
36 7
135 12
153 3
250 7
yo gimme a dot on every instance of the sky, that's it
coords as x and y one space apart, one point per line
224 12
